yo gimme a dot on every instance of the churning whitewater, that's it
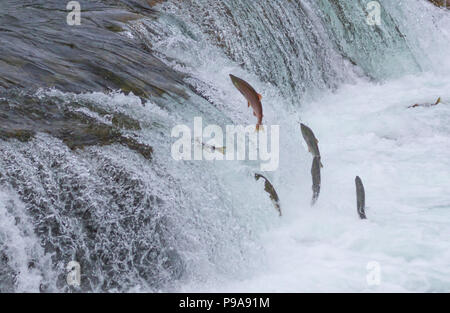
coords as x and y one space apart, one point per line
86 172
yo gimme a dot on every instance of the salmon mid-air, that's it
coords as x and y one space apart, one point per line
315 173
268 187
311 141
426 105
360 198
253 98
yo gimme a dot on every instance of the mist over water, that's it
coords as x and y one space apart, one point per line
140 221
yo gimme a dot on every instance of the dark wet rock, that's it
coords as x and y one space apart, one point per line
19 134
86 132
26 115
95 56
144 150
119 120
123 121
107 208
115 28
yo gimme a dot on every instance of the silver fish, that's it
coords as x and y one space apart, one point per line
360 198
268 187
427 105
311 141
315 173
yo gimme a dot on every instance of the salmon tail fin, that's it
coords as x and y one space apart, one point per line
259 128
438 101
259 97
221 150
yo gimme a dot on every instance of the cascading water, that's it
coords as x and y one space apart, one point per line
86 174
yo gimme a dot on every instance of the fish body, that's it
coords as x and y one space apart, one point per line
426 105
315 173
253 98
268 187
360 198
311 141
212 148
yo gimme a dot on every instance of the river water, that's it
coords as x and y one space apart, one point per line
86 172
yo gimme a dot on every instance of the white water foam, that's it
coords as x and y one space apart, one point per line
364 129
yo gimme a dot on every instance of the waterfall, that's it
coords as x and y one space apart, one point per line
86 172
298 46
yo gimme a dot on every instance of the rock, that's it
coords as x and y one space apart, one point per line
63 121
123 121
94 56
22 135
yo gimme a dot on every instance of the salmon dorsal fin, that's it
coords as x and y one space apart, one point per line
438 100
259 97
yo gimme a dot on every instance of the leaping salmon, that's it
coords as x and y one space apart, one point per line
311 141
426 105
268 187
315 173
360 198
253 98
